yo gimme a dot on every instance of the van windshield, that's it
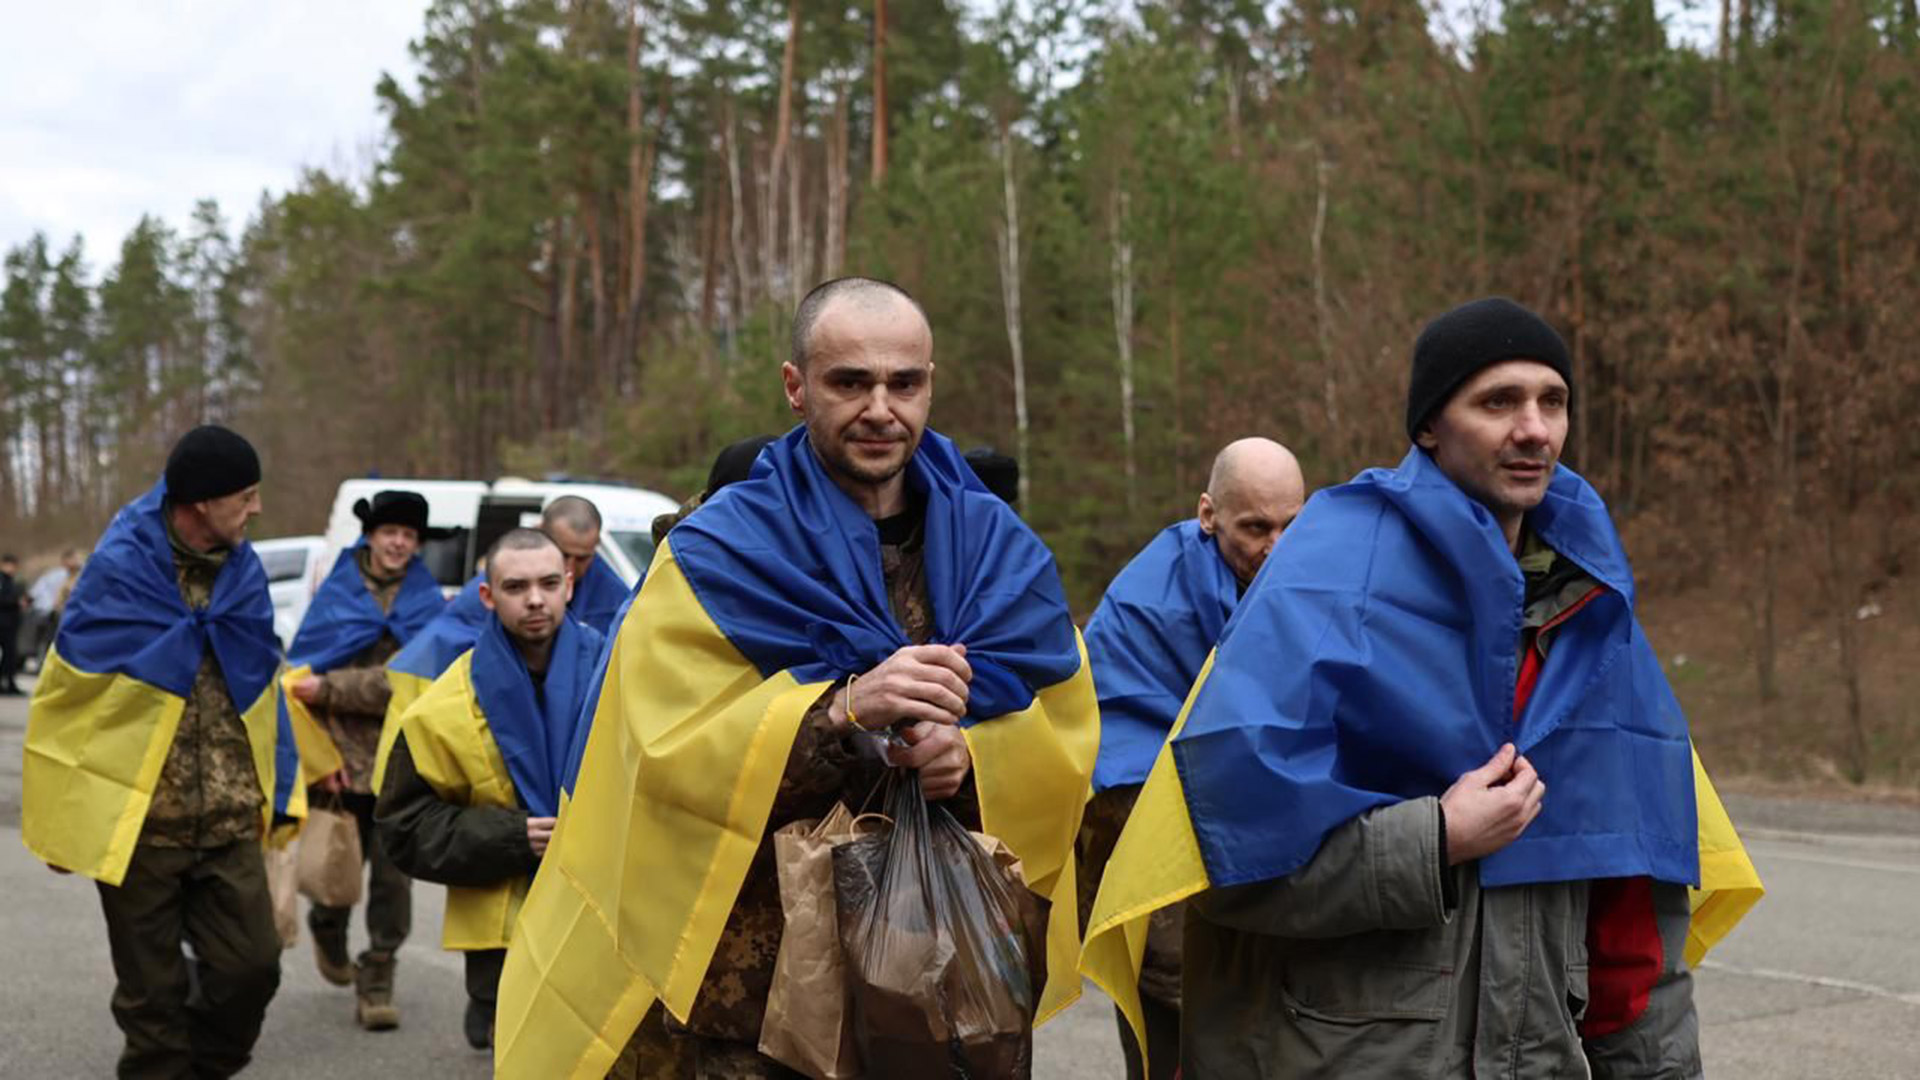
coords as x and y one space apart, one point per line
637 545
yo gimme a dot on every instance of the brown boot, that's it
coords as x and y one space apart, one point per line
373 986
330 956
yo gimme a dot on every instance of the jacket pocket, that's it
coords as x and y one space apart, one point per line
1361 1016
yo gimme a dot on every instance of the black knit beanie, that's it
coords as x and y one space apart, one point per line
1477 334
210 462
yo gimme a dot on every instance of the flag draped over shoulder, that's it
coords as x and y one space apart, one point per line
1374 660
1146 642
342 620
534 725
598 596
425 658
106 708
583 726
754 606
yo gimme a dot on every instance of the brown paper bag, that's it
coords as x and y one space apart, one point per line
286 903
328 857
806 1024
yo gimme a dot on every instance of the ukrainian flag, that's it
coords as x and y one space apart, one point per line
106 708
342 620
1373 661
598 596
422 660
752 609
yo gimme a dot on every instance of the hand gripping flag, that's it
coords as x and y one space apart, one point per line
425 658
1374 660
754 606
342 620
484 735
598 596
1146 642
106 708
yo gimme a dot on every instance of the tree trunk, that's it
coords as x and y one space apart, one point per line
777 159
879 91
837 139
737 229
1008 236
1118 217
1322 316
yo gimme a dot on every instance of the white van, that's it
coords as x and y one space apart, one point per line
294 565
475 513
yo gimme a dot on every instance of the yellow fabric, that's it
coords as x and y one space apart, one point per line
455 752
319 757
95 746
681 768
1157 862
406 689
1729 885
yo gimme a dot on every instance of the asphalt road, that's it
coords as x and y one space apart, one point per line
1822 980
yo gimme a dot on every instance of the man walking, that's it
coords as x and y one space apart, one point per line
1146 642
473 782
1439 794
13 606
860 580
598 592
166 654
377 597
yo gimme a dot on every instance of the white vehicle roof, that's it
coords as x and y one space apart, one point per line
627 513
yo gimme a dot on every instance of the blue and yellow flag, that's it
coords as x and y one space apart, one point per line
752 609
485 735
342 620
425 658
107 705
1375 660
589 705
1146 642
598 596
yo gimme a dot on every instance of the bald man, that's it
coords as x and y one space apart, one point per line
1146 642
598 592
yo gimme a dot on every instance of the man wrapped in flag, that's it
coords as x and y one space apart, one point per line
1146 642
860 579
598 592
425 658
375 599
474 777
1433 798
149 761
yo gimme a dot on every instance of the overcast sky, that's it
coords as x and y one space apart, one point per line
112 108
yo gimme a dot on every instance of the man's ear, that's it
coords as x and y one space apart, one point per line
1425 439
1205 513
796 385
486 594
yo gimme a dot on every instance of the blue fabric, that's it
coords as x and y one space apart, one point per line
598 596
452 632
1147 642
126 615
788 567
583 725
534 726
1374 660
344 618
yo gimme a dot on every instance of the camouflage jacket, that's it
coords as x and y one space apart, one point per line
208 794
353 698
827 765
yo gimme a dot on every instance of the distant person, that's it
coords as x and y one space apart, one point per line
1434 784
473 782
378 595
49 596
1146 642
860 580
13 607
574 524
166 653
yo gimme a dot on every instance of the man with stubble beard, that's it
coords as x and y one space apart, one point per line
860 582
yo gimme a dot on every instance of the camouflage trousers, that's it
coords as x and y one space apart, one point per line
656 1053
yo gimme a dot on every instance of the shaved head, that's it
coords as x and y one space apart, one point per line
871 296
1253 493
